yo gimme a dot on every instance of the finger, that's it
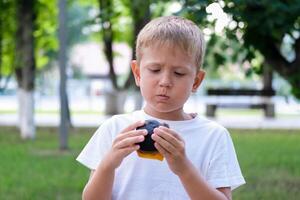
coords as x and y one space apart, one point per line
128 150
166 135
176 135
161 150
130 141
132 133
163 143
133 126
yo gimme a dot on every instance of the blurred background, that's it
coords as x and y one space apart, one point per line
65 68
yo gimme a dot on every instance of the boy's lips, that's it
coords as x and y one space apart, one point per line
162 97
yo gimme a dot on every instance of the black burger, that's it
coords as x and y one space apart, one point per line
148 144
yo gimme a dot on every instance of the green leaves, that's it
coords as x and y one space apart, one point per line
7 39
45 34
254 37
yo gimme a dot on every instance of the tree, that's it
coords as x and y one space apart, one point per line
267 24
64 117
27 45
7 41
140 15
25 66
1 34
264 27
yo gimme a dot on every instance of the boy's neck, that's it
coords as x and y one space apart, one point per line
178 115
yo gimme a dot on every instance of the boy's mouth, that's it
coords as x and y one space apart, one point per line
162 97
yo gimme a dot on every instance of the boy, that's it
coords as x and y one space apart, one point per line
199 157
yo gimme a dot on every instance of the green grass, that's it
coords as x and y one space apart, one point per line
269 159
37 169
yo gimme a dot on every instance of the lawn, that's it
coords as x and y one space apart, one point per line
38 170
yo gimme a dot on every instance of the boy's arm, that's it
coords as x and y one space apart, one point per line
194 184
101 180
172 147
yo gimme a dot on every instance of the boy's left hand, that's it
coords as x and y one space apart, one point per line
172 147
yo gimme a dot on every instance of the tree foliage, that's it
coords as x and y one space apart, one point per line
7 39
262 27
45 25
45 33
267 24
121 20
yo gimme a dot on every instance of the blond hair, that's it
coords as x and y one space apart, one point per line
172 30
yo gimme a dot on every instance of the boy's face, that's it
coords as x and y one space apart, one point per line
166 76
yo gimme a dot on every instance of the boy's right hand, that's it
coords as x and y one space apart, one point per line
125 143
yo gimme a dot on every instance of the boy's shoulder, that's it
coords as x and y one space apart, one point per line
211 128
208 123
134 115
125 118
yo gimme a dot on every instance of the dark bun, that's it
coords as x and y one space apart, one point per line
148 144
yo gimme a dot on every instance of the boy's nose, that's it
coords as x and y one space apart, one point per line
165 80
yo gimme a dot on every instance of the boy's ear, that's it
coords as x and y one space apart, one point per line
198 80
136 72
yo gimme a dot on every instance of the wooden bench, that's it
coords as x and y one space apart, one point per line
255 99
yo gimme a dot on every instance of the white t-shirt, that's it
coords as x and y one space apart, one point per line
207 144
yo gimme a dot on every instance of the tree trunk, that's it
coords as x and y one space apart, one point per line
115 101
141 16
26 113
290 71
64 115
267 77
287 72
106 13
25 66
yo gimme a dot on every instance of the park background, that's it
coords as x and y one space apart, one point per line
64 68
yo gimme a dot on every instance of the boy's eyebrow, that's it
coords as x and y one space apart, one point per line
153 63
161 64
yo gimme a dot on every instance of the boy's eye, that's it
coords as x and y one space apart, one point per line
154 70
179 74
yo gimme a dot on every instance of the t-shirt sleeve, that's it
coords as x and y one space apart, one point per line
224 169
99 144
